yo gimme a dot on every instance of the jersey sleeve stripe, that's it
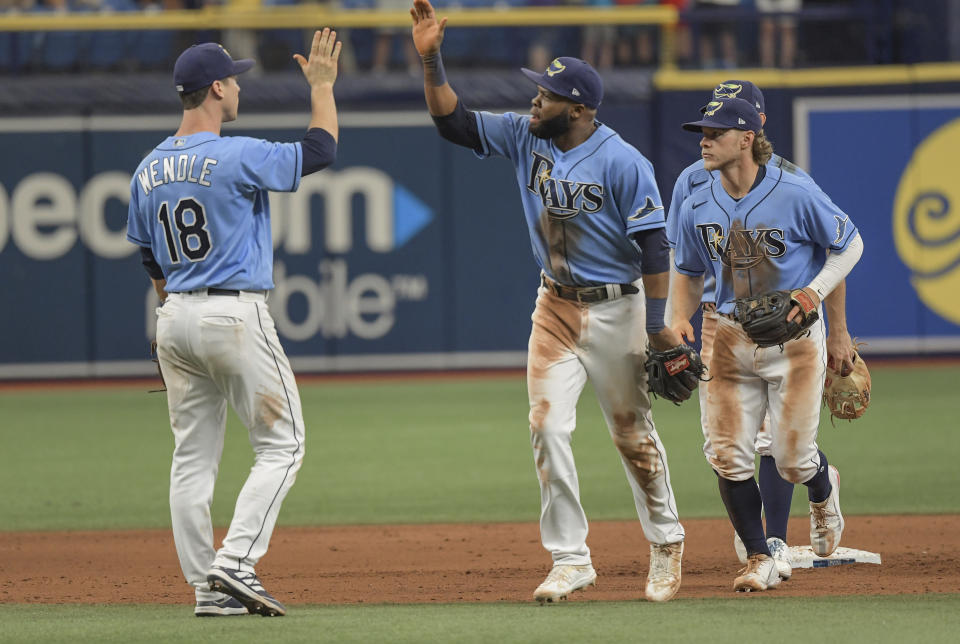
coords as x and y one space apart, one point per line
483 135
297 167
138 242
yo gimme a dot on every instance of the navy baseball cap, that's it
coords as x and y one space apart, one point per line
572 78
740 89
727 113
199 65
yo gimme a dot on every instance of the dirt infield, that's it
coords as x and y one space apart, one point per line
462 563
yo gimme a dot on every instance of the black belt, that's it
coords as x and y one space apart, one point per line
586 294
214 291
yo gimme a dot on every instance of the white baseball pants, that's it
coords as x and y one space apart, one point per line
216 349
764 443
605 342
746 383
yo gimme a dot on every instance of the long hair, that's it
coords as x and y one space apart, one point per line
762 148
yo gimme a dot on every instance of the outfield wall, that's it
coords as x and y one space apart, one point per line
412 254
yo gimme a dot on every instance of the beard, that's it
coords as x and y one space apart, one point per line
552 128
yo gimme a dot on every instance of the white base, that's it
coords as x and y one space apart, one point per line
804 557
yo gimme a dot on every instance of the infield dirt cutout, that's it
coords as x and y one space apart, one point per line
502 562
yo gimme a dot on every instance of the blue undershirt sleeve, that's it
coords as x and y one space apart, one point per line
654 250
460 127
150 263
319 150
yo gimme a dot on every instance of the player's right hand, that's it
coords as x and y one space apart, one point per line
321 67
427 32
685 330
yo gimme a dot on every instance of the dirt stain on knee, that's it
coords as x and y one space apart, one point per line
801 389
538 415
636 446
270 407
723 410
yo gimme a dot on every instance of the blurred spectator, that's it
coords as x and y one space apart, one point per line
384 45
717 32
780 27
551 42
635 43
598 40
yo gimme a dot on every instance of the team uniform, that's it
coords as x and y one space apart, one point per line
774 238
776 493
580 206
692 178
200 213
200 204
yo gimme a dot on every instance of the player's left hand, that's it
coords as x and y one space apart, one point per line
321 67
427 30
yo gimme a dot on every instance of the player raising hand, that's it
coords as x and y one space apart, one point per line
595 221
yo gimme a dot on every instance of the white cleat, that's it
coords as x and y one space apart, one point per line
760 574
663 580
781 557
563 580
826 522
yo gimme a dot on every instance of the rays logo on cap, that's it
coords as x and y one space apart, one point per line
727 90
712 108
555 67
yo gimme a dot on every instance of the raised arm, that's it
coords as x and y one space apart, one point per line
427 37
320 70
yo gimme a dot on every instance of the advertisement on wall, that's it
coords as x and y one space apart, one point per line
383 261
889 161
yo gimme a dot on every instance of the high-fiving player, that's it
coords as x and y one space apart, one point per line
590 201
199 211
757 229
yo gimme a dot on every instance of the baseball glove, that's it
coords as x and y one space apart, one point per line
847 395
764 316
674 374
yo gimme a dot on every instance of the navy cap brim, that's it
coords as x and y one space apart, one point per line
697 126
542 80
242 65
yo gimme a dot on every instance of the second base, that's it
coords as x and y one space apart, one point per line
805 557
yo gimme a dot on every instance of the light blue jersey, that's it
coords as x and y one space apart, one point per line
692 178
580 205
199 202
776 237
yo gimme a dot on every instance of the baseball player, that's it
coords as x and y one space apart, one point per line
757 228
776 493
591 203
199 212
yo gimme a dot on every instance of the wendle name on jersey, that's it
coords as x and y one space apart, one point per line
175 168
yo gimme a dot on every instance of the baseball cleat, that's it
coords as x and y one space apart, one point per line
663 581
223 607
781 557
760 574
246 588
826 522
563 580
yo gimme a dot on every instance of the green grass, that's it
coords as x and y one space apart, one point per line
436 451
934 618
